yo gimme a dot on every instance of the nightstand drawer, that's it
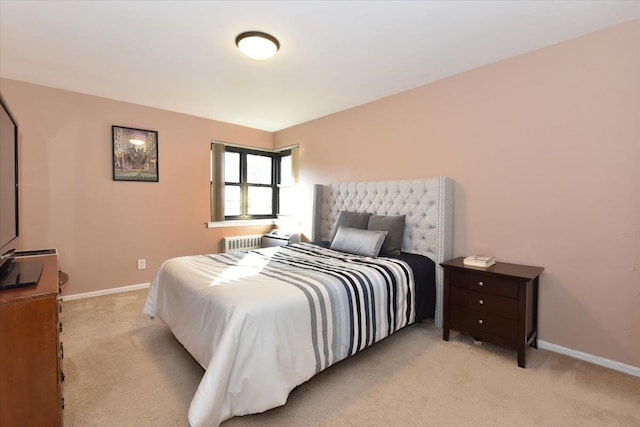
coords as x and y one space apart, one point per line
483 283
483 301
465 318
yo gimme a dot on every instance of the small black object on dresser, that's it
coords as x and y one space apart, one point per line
497 304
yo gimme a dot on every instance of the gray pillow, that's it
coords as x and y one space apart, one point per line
350 219
357 241
394 226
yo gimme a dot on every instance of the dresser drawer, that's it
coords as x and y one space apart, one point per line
466 318
480 282
485 302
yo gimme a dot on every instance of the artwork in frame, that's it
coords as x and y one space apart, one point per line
135 154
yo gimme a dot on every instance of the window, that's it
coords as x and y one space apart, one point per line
286 185
250 183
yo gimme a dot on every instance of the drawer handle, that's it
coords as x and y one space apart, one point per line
480 321
480 302
480 283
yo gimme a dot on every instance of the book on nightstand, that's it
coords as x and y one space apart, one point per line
479 261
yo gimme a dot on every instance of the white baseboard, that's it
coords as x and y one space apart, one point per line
597 360
106 291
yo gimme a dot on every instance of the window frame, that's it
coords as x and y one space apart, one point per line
292 184
245 185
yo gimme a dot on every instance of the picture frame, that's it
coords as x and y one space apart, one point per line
135 154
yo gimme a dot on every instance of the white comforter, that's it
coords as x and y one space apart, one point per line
265 321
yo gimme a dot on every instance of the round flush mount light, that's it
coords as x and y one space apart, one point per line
257 45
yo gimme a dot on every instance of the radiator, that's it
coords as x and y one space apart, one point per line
242 243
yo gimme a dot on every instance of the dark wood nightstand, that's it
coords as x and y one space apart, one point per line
497 304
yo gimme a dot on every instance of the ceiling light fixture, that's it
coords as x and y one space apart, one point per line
257 45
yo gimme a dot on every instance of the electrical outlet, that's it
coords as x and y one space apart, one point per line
142 264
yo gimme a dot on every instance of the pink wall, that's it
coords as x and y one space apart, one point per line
544 150
101 227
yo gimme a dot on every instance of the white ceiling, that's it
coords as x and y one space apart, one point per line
180 56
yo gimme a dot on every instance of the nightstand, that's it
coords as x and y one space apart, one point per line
276 239
497 304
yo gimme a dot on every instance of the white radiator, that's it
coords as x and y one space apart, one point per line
242 243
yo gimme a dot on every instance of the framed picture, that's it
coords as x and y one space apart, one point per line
135 154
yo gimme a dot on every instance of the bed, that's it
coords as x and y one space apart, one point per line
265 321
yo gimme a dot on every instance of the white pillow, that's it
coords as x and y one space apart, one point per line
357 241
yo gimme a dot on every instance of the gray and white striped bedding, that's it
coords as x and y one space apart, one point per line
265 321
353 301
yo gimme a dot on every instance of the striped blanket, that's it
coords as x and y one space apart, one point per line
265 321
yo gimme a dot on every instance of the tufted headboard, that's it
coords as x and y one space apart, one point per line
427 204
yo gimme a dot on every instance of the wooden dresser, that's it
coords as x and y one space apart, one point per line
498 304
30 350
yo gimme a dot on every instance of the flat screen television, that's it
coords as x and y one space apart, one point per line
9 229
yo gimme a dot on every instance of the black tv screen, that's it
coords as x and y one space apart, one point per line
8 180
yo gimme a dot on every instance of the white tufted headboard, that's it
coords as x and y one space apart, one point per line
427 204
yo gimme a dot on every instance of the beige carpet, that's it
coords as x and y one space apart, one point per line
125 370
